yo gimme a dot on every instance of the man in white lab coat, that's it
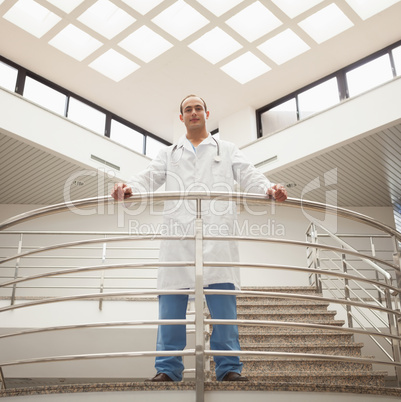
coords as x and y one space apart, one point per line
198 162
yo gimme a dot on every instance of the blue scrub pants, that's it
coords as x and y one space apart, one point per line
173 337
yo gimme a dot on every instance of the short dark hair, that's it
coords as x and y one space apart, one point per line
192 96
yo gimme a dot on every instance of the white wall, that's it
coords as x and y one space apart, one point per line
239 128
348 121
60 136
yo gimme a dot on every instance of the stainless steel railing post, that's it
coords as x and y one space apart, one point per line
394 330
397 304
102 273
16 273
346 290
199 317
2 379
316 261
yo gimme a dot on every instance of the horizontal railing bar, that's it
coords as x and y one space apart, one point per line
97 277
84 287
97 296
97 268
188 352
83 257
298 297
96 248
191 352
377 343
216 264
62 232
243 198
99 325
94 241
346 246
214 238
29 267
278 324
303 244
299 355
219 264
301 269
355 235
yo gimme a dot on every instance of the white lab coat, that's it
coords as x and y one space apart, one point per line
182 169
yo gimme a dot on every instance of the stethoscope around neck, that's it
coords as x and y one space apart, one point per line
176 151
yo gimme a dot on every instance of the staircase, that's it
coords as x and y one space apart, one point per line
296 370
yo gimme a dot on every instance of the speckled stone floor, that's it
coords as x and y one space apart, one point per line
189 385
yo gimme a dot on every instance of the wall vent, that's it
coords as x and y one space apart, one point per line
109 164
266 161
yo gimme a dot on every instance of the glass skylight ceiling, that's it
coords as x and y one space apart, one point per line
244 39
32 17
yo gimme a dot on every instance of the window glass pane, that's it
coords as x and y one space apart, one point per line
153 147
8 76
397 59
369 75
87 116
126 136
44 95
279 117
318 98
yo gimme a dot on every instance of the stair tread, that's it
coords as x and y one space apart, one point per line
304 344
301 344
303 359
280 288
245 300
341 366
288 313
252 329
310 373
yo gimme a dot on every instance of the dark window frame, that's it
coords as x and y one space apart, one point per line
19 89
341 82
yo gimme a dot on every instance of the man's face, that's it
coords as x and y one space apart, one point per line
193 113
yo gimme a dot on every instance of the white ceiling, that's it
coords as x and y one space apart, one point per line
149 97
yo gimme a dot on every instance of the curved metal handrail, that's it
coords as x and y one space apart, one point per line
254 199
97 296
221 196
98 325
214 238
97 268
208 264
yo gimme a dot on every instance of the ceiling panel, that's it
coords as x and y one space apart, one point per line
34 176
368 172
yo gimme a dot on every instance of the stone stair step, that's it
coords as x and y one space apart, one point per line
267 364
289 316
280 307
374 379
340 348
272 300
293 337
295 370
264 329
283 289
269 295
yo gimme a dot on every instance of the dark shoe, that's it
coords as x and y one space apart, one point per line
233 376
160 377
